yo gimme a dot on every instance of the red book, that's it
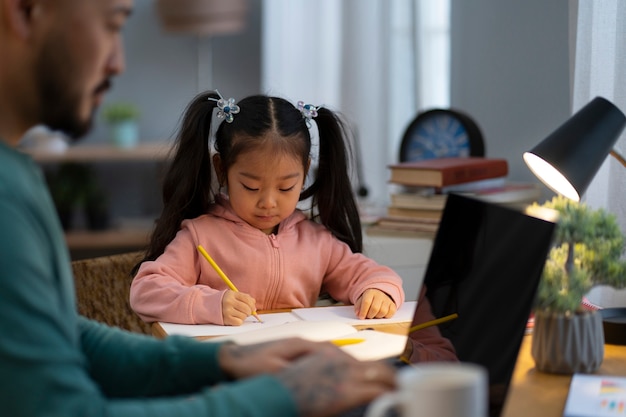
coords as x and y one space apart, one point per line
442 172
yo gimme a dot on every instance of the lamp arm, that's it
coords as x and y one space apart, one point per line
617 156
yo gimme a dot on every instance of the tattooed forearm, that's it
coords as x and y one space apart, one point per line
321 386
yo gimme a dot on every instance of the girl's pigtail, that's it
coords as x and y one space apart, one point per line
187 183
332 189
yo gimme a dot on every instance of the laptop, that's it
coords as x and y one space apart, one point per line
485 265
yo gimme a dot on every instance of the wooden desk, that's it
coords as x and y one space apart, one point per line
535 393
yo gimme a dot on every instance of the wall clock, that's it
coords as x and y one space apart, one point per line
441 133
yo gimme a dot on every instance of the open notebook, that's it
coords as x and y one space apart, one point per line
318 324
372 344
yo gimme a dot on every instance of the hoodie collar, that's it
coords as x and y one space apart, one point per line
223 209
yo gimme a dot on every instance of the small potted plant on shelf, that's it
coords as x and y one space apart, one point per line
64 192
587 251
122 119
96 206
74 187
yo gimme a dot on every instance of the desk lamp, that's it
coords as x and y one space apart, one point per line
568 159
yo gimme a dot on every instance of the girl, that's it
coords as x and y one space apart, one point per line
275 256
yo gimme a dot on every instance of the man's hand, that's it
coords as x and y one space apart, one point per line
240 361
329 381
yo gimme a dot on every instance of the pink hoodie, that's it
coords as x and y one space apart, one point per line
285 270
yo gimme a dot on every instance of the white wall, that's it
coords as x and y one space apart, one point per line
510 72
162 69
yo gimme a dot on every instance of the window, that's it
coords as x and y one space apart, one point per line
378 62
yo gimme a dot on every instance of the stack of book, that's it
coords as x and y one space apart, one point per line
423 186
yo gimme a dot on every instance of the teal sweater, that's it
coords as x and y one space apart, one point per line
55 363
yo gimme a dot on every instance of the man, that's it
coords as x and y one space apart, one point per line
57 59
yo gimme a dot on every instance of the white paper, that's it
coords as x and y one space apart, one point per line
346 314
250 324
310 330
376 344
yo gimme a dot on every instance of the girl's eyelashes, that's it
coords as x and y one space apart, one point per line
249 188
284 190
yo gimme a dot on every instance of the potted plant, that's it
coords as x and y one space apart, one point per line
122 119
587 251
62 186
75 187
96 205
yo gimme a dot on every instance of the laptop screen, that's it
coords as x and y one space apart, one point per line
485 265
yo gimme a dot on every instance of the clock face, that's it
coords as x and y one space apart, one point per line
439 134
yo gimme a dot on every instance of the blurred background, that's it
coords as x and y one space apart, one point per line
505 64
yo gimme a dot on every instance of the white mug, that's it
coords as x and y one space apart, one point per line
436 389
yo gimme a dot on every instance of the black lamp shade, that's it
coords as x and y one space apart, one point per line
577 149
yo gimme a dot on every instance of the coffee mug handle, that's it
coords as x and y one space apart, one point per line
380 405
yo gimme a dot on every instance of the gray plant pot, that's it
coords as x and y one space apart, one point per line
566 343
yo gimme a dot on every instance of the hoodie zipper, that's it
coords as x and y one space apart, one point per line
275 280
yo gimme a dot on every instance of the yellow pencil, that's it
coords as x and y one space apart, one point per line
223 275
433 322
345 342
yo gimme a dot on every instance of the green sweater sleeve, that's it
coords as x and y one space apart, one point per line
137 367
174 365
54 363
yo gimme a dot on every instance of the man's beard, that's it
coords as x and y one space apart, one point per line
60 99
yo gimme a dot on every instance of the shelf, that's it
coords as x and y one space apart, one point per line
107 239
87 243
103 153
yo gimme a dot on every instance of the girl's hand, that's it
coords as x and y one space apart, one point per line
236 306
374 304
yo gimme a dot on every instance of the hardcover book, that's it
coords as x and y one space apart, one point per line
418 201
409 213
442 172
417 225
508 193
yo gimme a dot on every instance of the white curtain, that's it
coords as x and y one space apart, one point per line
359 57
600 70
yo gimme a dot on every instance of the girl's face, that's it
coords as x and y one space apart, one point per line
264 187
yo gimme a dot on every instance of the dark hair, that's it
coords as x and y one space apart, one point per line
188 187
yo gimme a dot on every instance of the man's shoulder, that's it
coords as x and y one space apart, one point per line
17 171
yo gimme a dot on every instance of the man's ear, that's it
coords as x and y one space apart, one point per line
18 15
219 170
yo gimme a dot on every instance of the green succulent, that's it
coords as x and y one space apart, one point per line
120 112
587 251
